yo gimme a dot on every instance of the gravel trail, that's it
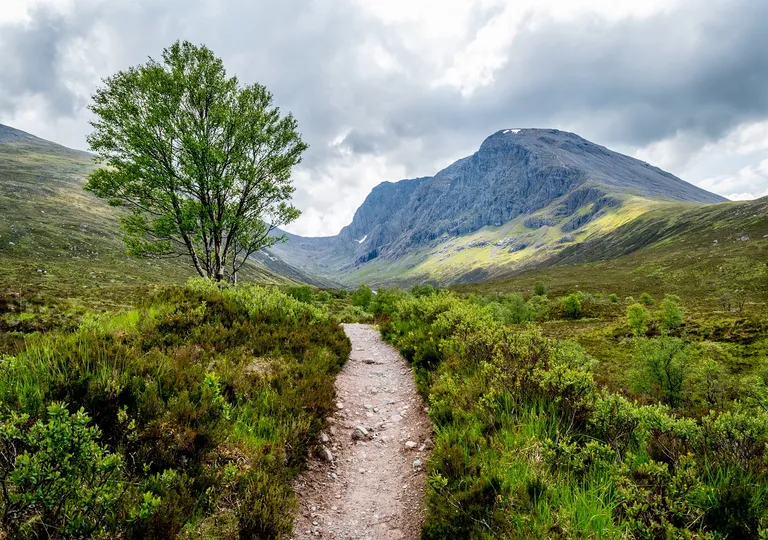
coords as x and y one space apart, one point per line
368 479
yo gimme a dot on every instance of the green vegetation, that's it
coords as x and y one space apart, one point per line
203 164
647 437
637 319
188 415
572 306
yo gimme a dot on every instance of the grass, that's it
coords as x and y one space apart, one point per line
56 236
202 404
542 432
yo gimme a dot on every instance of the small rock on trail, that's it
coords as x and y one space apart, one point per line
373 489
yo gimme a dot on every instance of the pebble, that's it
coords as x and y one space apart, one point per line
410 445
326 455
417 464
339 405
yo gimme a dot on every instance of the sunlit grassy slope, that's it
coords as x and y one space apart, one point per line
691 251
54 233
639 245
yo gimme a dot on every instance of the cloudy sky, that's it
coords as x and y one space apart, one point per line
391 89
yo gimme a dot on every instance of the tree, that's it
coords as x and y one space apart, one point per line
572 306
646 299
362 297
539 289
202 162
671 313
660 368
637 319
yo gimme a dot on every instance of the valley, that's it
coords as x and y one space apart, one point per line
586 333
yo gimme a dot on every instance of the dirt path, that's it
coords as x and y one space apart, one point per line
368 482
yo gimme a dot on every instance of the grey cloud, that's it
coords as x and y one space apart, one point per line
699 68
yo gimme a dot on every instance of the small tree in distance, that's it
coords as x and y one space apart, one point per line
203 163
637 319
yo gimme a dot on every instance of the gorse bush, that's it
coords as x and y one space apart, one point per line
528 446
200 406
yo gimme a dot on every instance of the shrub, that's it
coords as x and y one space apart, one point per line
646 299
362 297
613 298
423 290
671 313
302 293
180 389
55 476
637 319
539 289
660 367
572 306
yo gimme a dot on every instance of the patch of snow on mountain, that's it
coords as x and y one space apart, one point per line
362 239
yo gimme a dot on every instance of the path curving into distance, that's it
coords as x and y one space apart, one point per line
368 480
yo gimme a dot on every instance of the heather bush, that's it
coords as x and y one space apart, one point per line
527 446
203 402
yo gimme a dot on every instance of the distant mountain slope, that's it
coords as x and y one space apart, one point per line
52 231
523 195
695 252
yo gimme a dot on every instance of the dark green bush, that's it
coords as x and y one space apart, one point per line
183 388
572 307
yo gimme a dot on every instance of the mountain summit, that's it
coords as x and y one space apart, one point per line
544 180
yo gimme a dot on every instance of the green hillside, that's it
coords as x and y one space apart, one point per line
53 233
693 252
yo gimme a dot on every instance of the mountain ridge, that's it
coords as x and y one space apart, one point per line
551 178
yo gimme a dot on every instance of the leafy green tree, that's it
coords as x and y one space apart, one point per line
660 368
671 313
613 298
572 306
362 297
637 319
202 162
539 289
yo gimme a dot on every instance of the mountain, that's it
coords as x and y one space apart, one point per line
52 232
523 197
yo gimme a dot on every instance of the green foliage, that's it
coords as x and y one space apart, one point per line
55 476
646 299
202 163
362 297
539 289
671 313
572 306
527 446
661 367
613 298
423 290
302 293
637 319
204 400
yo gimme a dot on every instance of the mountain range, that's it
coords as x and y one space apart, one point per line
527 200
521 199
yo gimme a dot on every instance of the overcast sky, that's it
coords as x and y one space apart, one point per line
392 89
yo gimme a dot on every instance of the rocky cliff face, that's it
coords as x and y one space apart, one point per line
553 177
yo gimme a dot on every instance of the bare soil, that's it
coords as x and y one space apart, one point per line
368 483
